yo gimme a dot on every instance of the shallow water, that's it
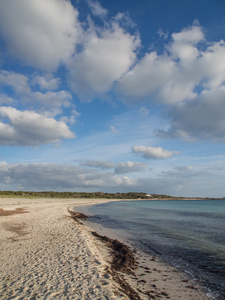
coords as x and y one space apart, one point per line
188 234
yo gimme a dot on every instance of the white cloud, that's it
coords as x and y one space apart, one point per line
4 99
28 128
185 52
190 35
48 102
50 99
59 177
18 82
129 166
184 44
153 152
71 119
179 88
97 9
46 83
98 164
175 75
146 77
163 34
42 33
62 177
107 55
211 66
200 119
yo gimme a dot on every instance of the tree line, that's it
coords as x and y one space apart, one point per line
53 194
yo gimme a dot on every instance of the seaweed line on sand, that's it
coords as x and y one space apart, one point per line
123 260
4 213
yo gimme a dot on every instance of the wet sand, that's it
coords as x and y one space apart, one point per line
47 252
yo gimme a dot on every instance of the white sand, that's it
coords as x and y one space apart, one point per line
45 254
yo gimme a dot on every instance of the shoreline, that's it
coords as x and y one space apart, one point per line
151 277
45 254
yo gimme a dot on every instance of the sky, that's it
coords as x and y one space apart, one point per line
113 96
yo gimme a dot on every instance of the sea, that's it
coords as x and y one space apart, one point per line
188 234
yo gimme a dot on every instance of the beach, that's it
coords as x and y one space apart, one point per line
47 252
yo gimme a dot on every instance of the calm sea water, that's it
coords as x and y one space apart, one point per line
188 234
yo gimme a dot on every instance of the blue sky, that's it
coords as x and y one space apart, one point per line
113 96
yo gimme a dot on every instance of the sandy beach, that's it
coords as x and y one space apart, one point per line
47 253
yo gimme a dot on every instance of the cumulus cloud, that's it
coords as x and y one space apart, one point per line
153 152
170 77
72 118
206 72
177 74
24 87
187 77
184 45
18 82
129 166
181 87
211 66
41 33
200 119
50 99
146 77
46 83
107 54
192 35
98 164
28 128
4 99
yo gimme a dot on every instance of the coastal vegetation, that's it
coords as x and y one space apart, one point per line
53 194
94 195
